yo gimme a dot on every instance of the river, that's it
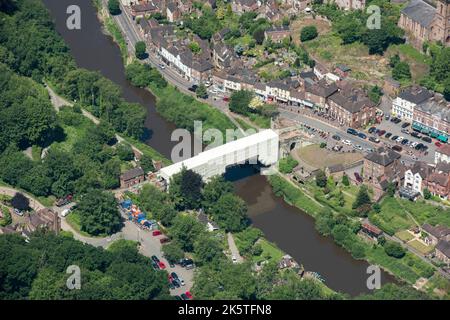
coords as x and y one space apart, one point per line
288 227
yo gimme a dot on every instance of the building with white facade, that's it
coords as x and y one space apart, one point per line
403 106
415 175
262 146
442 154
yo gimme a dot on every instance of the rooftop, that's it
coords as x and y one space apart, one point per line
383 156
444 247
415 94
420 11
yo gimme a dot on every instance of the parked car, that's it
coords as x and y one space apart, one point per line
18 212
176 283
226 99
388 135
336 137
174 275
346 142
397 148
155 265
181 281
416 135
372 129
399 139
178 298
394 138
437 144
381 132
352 131
405 141
189 295
185 261
373 139
193 88
184 296
154 258
233 258
419 146
156 233
171 285
393 119
427 139
161 265
65 212
362 135
405 125
358 177
63 201
164 240
162 66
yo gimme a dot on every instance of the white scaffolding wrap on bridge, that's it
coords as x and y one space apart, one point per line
261 146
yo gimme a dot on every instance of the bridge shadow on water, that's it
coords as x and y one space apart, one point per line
242 171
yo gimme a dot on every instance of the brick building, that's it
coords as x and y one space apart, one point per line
132 177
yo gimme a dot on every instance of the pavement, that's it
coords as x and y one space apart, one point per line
233 249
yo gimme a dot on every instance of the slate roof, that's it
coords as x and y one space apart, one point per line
420 11
383 156
438 178
415 94
439 110
322 89
352 103
422 168
172 7
132 173
444 247
443 167
437 231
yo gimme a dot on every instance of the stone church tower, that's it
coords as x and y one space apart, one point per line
440 27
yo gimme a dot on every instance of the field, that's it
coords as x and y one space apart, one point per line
404 235
390 219
421 247
418 62
296 26
269 249
318 157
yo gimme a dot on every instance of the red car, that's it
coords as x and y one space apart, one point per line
437 144
226 99
381 132
156 233
161 265
189 295
164 240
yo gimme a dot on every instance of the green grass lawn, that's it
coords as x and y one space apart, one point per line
269 249
422 248
74 220
391 219
404 235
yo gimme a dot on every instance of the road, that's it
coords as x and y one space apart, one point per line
233 249
133 35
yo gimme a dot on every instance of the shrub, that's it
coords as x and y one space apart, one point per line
394 249
308 33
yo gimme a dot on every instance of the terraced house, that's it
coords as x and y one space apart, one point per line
433 118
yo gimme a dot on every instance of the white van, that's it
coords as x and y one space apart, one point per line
65 212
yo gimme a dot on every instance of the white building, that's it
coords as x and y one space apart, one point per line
442 154
172 55
403 106
415 175
261 146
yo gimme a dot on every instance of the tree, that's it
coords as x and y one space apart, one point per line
230 213
375 94
286 165
185 189
98 213
173 251
214 189
125 152
240 100
394 249
321 179
185 230
345 180
447 89
390 190
195 47
308 33
394 60
426 194
207 249
20 202
146 163
362 197
114 7
201 92
140 50
258 35
401 71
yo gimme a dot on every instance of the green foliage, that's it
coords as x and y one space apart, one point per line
345 180
114 7
375 94
308 33
246 239
99 213
146 163
230 213
201 92
286 165
142 75
140 50
393 291
207 249
240 100
186 230
321 179
185 189
173 251
214 189
394 249
195 47
401 71
362 198
427 194
125 152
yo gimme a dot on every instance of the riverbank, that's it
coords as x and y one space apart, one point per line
328 222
